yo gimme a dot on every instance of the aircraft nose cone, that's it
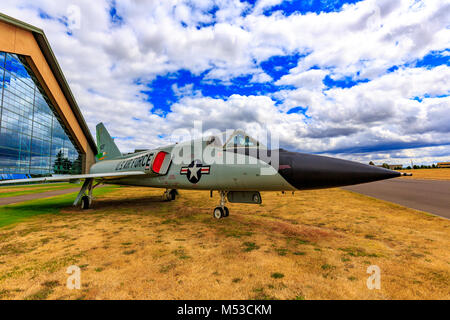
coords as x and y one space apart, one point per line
307 171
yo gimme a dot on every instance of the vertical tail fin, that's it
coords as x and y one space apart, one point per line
107 149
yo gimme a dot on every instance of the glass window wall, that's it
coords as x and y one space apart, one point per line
32 138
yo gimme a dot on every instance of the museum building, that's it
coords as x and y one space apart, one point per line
42 131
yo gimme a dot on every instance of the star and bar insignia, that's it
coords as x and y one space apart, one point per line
194 171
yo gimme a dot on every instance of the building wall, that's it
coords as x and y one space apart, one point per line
16 40
443 165
33 140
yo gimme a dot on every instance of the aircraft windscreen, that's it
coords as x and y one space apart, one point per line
240 139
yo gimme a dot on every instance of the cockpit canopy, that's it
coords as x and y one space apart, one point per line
238 139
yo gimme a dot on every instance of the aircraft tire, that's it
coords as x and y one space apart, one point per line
218 213
257 198
172 195
85 202
226 212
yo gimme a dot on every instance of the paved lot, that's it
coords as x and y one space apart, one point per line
26 197
431 196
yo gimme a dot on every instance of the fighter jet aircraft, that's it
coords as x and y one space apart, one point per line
238 169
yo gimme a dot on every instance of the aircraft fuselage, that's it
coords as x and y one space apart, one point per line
239 171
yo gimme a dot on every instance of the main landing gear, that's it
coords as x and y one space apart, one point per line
221 211
170 194
85 194
85 202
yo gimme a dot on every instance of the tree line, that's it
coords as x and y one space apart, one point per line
385 165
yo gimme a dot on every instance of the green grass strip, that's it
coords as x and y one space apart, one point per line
35 189
18 212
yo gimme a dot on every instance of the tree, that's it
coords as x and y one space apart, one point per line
385 165
67 164
371 163
76 166
62 165
58 164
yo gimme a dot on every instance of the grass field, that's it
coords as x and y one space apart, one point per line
434 174
311 245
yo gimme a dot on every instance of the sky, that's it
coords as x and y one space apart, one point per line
359 80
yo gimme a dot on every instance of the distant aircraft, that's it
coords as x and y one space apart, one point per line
253 169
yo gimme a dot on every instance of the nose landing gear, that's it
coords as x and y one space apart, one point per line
222 211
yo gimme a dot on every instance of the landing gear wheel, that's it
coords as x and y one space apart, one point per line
256 198
172 195
218 213
85 202
226 212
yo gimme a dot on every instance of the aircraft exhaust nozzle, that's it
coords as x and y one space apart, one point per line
307 171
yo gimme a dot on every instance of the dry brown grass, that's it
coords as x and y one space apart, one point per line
434 174
311 245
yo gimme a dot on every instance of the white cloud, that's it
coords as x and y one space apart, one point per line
261 5
406 157
187 90
311 79
107 66
380 112
261 77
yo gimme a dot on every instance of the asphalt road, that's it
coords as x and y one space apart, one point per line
431 196
32 196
